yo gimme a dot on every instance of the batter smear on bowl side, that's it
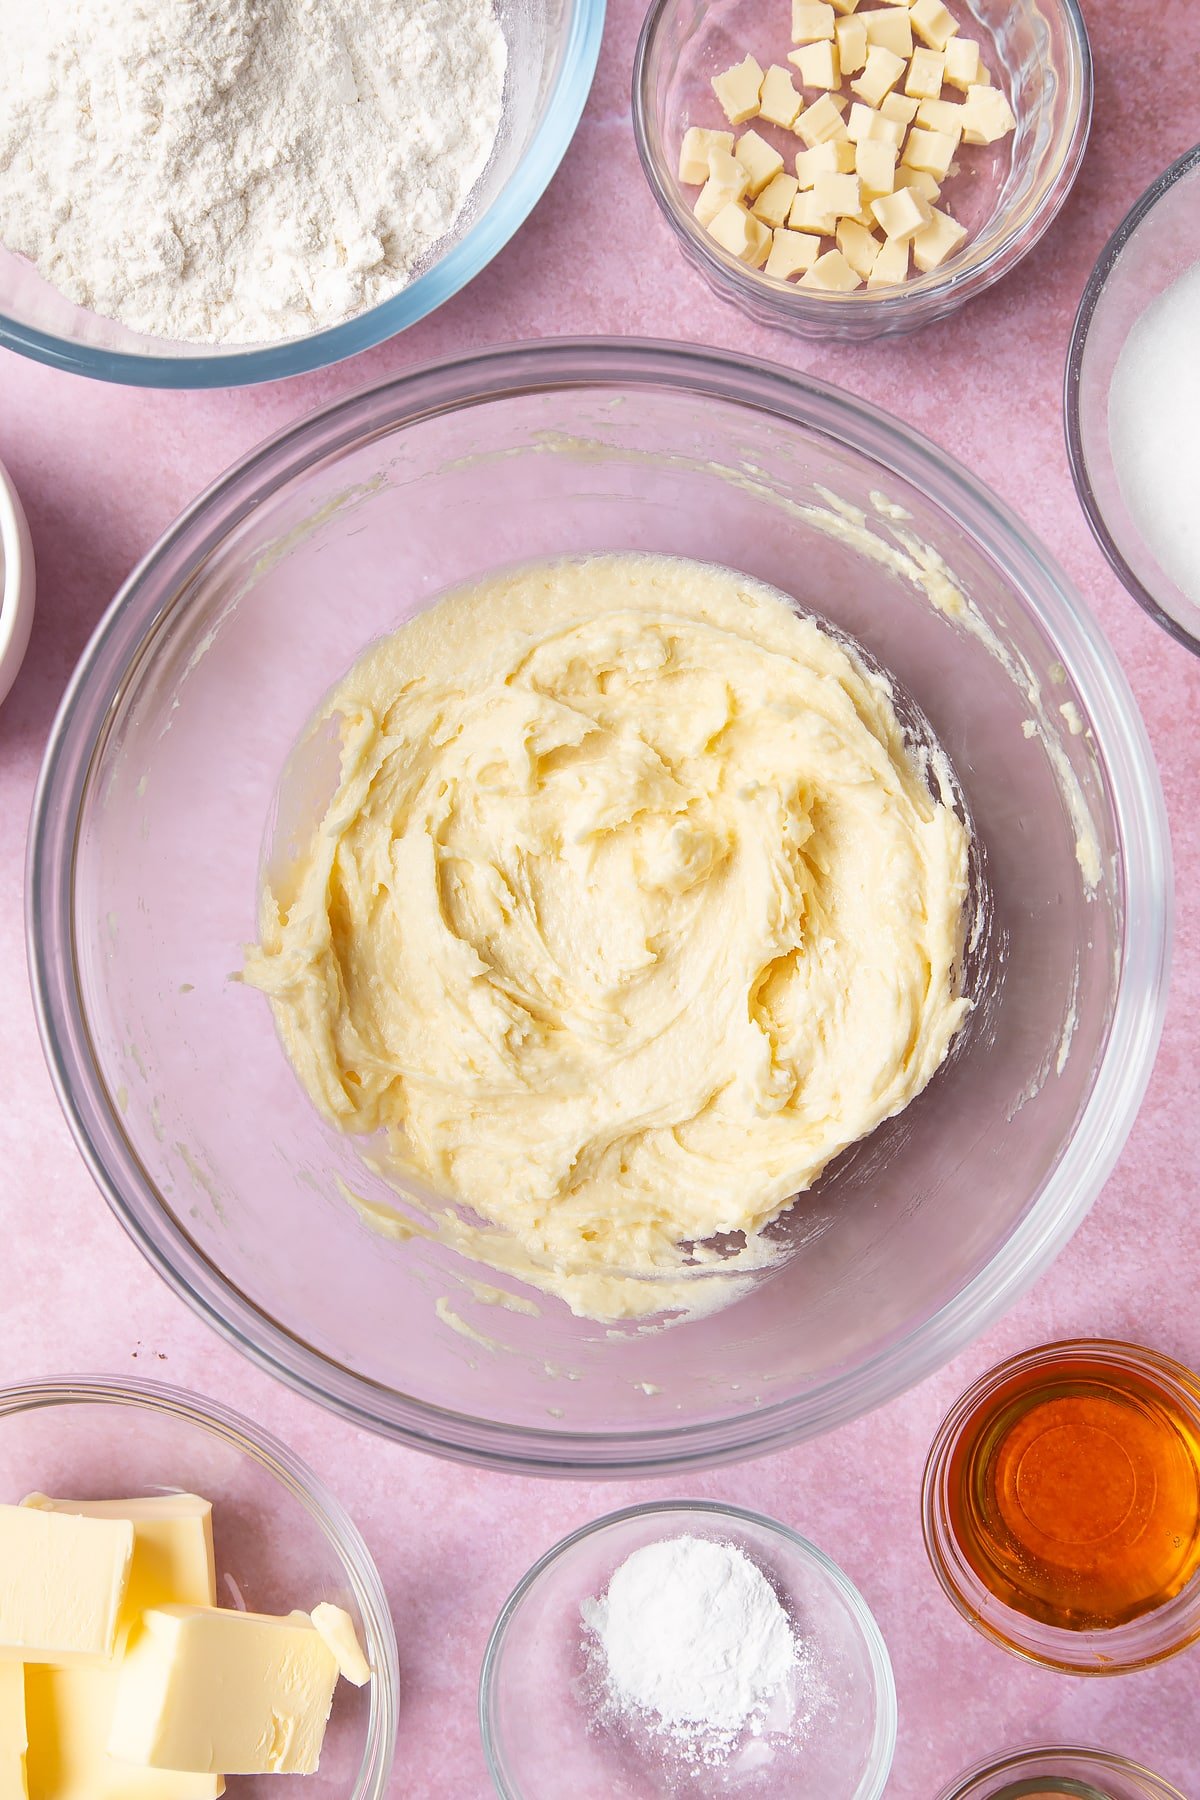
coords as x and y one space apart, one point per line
632 909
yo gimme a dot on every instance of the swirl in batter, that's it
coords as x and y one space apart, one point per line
632 909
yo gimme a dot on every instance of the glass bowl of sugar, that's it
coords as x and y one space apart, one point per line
1133 400
686 1648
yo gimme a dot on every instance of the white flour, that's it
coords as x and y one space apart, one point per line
233 171
692 1639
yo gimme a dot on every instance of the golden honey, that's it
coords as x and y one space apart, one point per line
1073 1490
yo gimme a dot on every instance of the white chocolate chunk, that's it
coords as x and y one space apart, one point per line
883 70
926 73
738 89
902 214
875 166
741 234
850 35
930 150
818 65
727 182
865 125
807 216
940 239
775 202
812 20
963 64
897 107
837 195
824 159
779 102
987 116
933 23
844 6
761 161
941 115
891 265
792 252
821 123
920 181
890 28
693 156
832 274
859 246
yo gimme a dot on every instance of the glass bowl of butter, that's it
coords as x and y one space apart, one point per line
852 172
171 785
181 1601
1069 1773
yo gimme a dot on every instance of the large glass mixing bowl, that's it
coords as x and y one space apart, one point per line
162 772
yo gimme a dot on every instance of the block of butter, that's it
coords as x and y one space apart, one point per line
62 1583
217 1691
14 1737
70 1709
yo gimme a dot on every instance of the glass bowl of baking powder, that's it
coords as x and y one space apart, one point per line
687 1648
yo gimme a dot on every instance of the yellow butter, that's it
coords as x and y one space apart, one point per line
70 1716
14 1738
62 1583
208 1690
337 1628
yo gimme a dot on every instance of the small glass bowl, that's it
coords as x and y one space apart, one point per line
1158 240
1138 1644
1007 196
281 1539
1033 1774
532 1690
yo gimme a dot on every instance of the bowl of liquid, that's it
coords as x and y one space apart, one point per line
1071 1773
372 1289
1132 388
1062 1506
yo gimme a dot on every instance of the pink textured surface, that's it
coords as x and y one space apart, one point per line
104 470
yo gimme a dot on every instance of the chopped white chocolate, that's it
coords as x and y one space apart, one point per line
779 103
812 20
941 115
902 214
832 273
926 72
844 6
940 239
850 35
930 150
738 90
821 123
818 65
693 156
837 195
824 159
891 265
883 70
792 252
714 196
775 202
859 246
987 116
875 166
865 125
889 28
741 234
921 182
963 63
761 161
897 107
807 216
933 23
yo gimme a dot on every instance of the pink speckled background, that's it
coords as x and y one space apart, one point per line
103 470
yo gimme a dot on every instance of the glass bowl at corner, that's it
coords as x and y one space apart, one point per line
1071 1773
281 1539
538 1710
1156 243
163 772
1007 195
553 46
1138 1643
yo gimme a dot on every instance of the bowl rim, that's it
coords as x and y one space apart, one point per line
1093 294
249 1438
875 1777
17 582
825 313
487 236
964 1786
1135 795
1048 1646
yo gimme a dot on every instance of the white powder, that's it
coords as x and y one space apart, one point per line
237 171
691 1639
1154 428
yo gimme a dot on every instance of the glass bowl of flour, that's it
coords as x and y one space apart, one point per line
210 196
1133 400
687 1649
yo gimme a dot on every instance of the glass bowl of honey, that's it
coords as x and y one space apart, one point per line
1059 1774
1062 1506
